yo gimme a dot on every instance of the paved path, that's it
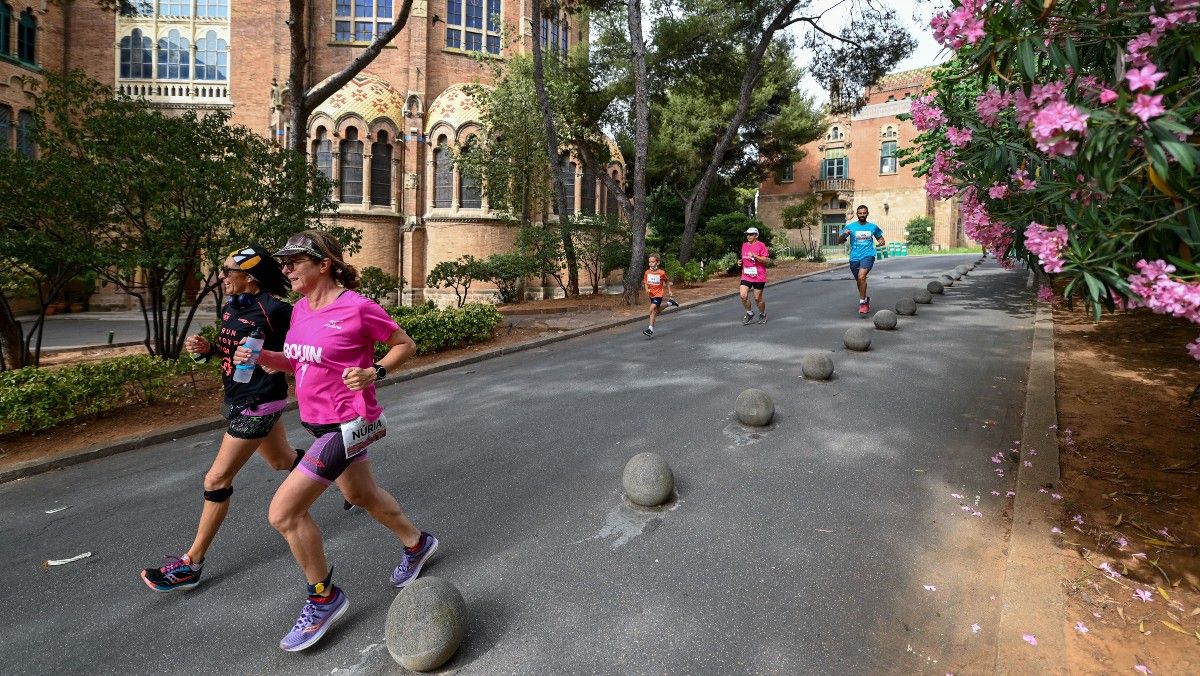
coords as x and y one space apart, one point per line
91 328
803 548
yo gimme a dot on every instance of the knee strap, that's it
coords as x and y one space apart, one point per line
219 495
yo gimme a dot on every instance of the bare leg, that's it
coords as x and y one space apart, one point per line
289 515
231 457
762 304
862 283
744 291
653 314
359 486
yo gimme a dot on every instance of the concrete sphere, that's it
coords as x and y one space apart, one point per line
935 287
817 366
648 479
923 296
425 624
857 339
754 408
906 306
946 280
961 270
885 320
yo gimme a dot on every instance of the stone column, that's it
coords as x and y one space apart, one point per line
366 191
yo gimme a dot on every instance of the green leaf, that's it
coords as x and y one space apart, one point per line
1028 59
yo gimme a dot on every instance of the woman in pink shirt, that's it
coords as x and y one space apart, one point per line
330 347
755 255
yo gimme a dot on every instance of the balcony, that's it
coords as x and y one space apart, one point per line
836 185
177 94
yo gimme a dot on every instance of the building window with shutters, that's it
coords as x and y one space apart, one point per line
381 170
887 157
835 164
787 174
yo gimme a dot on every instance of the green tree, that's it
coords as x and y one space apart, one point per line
919 231
731 228
376 284
508 271
457 275
603 246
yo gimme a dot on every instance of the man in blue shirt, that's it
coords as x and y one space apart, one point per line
863 236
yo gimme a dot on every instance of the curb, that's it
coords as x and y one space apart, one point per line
41 466
1032 598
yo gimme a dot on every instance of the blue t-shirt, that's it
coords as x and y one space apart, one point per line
862 239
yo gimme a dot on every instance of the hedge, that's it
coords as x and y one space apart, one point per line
433 329
38 398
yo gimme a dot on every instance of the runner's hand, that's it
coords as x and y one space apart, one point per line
197 345
357 379
241 355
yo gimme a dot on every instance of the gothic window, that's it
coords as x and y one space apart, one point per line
212 9
470 30
25 133
555 34
587 194
27 37
351 179
322 150
443 175
174 7
5 129
361 20
887 157
173 57
5 28
469 195
566 170
212 56
835 164
835 134
381 170
137 56
889 132
612 206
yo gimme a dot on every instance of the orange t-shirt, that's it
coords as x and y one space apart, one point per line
654 280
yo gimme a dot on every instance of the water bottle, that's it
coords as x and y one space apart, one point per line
243 372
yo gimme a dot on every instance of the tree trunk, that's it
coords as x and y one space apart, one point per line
560 190
12 344
304 100
641 143
694 204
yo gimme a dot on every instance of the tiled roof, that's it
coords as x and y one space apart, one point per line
916 76
453 106
367 96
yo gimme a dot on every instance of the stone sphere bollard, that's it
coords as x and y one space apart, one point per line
923 296
906 306
754 408
648 480
425 624
961 270
935 287
946 280
817 366
857 339
885 320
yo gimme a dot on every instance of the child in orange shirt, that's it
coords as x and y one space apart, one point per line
655 279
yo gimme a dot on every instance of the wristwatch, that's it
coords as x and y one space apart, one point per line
380 372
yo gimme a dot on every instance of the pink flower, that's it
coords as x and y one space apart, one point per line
998 191
1046 244
1193 349
1146 77
990 104
1107 96
1056 530
1081 628
1053 126
1046 295
1078 518
958 137
1021 178
925 115
1029 638
1144 595
1146 106
1143 669
975 628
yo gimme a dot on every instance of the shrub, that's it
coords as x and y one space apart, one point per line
433 329
507 271
35 399
731 228
691 273
376 284
919 231
457 275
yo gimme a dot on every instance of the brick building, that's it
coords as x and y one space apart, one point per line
855 163
386 137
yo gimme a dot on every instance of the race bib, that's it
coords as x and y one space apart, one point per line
654 279
359 433
751 271
862 234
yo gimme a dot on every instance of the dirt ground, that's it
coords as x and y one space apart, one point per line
203 401
1130 450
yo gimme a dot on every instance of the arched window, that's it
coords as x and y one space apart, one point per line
381 170
5 28
566 169
443 175
212 9
889 132
469 194
212 54
25 127
322 151
5 129
351 178
613 207
587 193
174 7
835 134
173 57
27 37
137 59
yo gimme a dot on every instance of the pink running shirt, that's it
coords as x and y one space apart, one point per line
323 343
760 269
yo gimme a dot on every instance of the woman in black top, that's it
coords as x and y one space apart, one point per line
253 283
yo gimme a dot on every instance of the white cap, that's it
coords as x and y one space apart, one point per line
752 231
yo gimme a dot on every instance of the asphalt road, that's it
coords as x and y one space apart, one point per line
802 548
91 328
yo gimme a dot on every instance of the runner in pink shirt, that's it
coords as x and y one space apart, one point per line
329 347
755 255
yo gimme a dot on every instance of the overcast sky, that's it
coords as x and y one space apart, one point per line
915 15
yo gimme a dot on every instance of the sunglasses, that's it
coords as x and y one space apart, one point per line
226 270
291 263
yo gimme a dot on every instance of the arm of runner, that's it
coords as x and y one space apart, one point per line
198 344
268 359
843 235
401 349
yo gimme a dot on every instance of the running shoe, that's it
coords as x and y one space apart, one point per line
315 619
868 304
762 319
672 302
748 318
347 505
179 574
862 308
649 333
410 565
